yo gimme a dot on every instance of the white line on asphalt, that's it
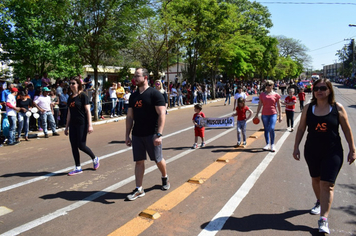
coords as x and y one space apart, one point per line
219 220
65 210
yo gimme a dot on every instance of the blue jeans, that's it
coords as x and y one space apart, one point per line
195 99
204 98
241 128
12 129
48 115
269 123
180 100
120 105
228 96
24 123
126 107
113 101
99 108
174 99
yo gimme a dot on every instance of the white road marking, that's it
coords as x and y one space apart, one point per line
219 220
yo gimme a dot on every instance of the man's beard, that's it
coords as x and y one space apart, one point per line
140 83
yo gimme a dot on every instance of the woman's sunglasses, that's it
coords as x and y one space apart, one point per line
321 88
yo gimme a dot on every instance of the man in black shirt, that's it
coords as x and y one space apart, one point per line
146 117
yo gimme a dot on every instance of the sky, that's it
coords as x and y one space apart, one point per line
321 25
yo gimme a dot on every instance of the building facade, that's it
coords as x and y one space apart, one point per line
333 70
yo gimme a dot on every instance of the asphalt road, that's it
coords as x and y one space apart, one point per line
248 192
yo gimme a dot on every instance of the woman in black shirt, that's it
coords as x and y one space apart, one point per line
79 124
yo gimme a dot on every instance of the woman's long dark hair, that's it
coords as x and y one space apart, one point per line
331 98
80 87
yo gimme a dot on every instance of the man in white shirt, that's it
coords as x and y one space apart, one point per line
239 93
43 104
11 112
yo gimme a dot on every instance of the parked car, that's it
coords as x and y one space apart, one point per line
308 85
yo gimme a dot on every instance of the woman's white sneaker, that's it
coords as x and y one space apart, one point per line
267 147
273 148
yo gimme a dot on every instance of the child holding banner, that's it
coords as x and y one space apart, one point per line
198 129
241 110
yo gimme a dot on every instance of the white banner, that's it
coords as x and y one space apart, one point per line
217 122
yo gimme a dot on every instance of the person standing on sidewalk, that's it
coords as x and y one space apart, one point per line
146 118
11 112
43 104
120 92
79 124
113 97
24 103
323 149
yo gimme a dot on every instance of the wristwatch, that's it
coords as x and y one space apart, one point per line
159 135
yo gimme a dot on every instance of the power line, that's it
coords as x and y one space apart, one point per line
312 3
330 44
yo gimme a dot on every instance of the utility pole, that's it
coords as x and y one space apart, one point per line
353 56
353 51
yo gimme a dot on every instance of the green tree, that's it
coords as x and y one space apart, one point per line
150 46
101 28
287 68
31 34
293 48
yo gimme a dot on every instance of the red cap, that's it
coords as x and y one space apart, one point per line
14 90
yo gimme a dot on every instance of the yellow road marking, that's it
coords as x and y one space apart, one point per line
133 227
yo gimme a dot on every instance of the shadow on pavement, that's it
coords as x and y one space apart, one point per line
177 148
350 209
114 141
93 196
31 174
235 149
264 222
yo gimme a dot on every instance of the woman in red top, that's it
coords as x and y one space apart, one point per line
269 100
